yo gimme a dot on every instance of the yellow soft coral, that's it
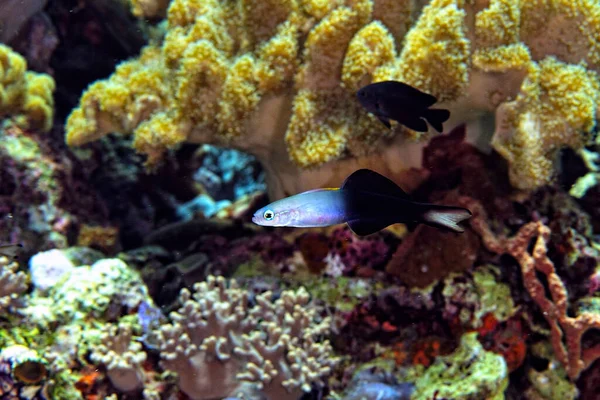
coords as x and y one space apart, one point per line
370 48
326 44
436 51
555 109
278 79
25 94
567 29
149 8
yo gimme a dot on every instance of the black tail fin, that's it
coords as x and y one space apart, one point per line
436 117
445 217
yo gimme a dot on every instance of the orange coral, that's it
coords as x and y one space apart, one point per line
566 331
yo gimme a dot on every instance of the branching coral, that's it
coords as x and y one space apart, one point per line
24 93
217 340
284 90
566 330
122 357
12 285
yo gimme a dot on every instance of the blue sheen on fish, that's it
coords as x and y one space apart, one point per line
367 201
403 103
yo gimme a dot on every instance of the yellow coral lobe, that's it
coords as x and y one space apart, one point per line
556 107
319 8
436 52
277 59
25 94
160 133
326 45
184 12
569 93
370 48
566 29
239 97
79 129
498 24
149 8
396 15
316 133
38 104
200 79
502 58
262 17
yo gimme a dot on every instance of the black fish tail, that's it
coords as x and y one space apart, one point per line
436 117
445 217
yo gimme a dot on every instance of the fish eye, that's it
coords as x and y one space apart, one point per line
268 215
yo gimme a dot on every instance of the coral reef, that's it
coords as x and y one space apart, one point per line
292 83
152 283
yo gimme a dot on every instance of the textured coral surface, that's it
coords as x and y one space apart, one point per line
141 276
284 91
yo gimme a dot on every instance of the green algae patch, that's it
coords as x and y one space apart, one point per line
470 373
342 293
479 295
551 383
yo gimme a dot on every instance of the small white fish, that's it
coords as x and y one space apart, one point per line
10 250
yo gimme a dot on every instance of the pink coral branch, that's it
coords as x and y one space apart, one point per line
566 332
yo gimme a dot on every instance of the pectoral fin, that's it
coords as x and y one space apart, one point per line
368 227
385 121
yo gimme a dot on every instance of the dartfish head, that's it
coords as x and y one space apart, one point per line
272 215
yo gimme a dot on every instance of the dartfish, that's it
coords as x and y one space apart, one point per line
403 103
10 250
367 201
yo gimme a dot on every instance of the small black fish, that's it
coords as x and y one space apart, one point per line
10 250
367 201
403 103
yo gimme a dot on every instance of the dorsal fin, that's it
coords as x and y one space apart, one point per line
406 91
366 180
